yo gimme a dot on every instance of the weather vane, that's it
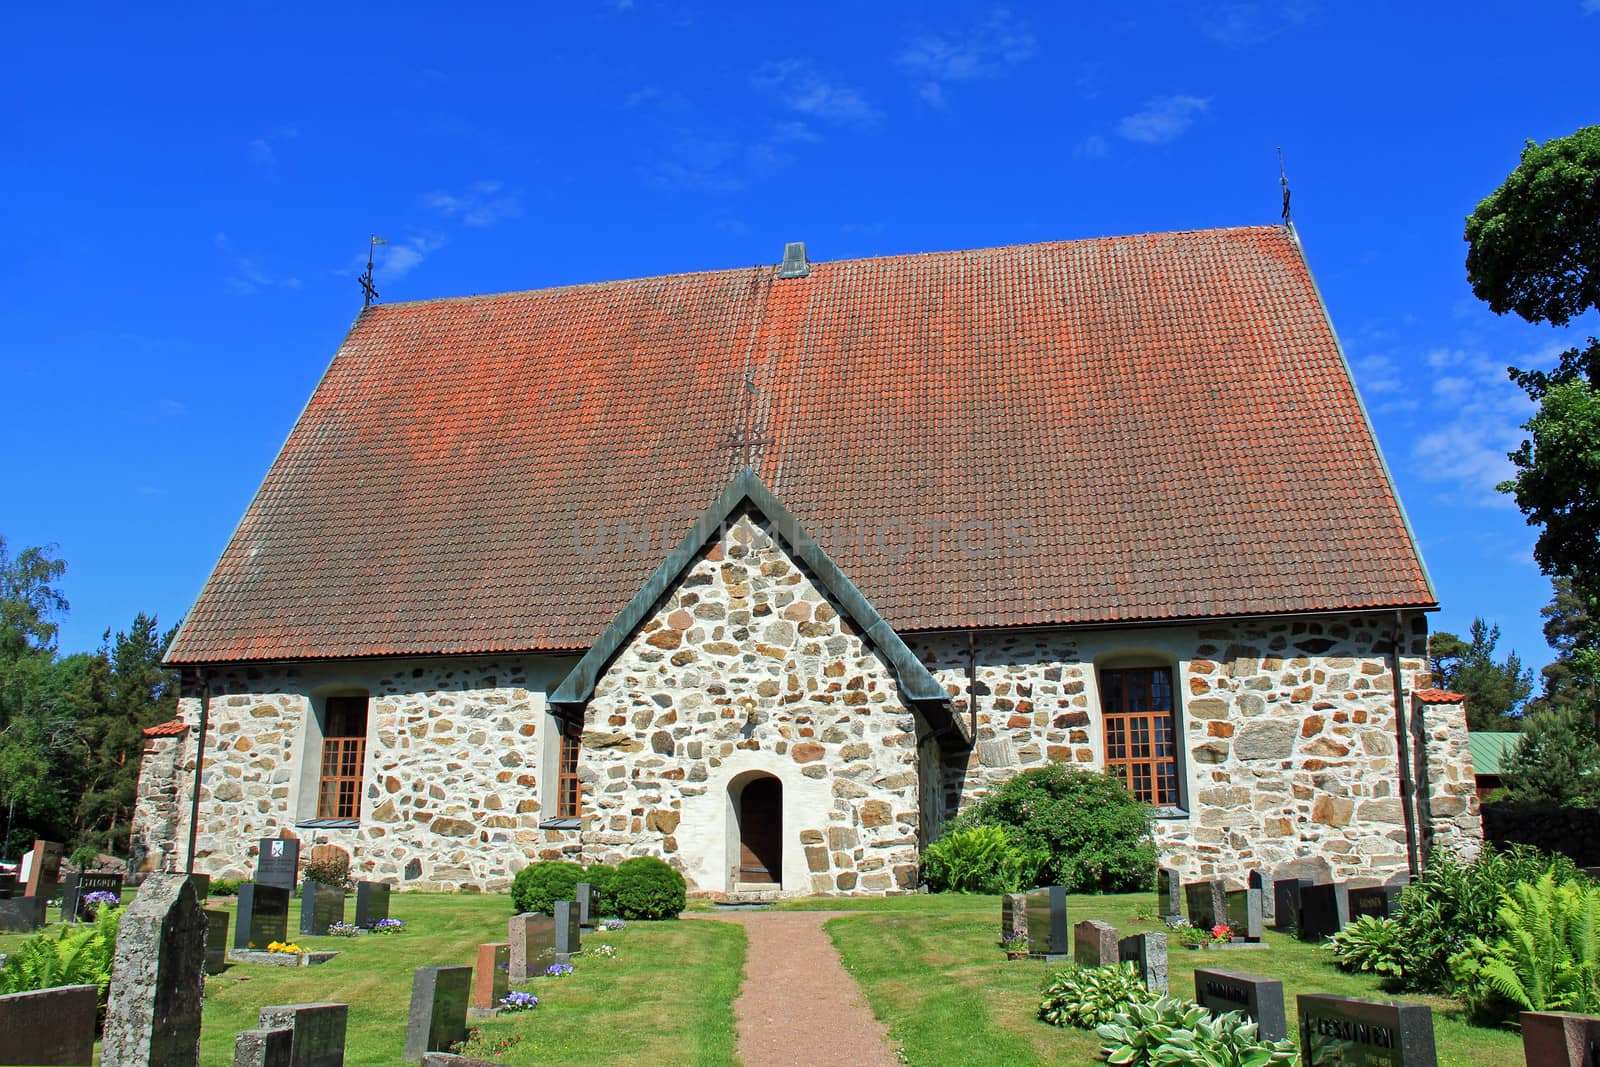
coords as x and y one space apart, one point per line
367 288
1283 180
744 438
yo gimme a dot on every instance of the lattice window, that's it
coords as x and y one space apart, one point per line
344 754
1140 731
569 791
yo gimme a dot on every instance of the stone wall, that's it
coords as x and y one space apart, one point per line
154 843
1450 818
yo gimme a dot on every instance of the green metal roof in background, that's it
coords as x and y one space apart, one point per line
1489 750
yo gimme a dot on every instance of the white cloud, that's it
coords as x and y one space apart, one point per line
1475 417
1591 7
245 275
798 85
1164 119
1092 147
263 150
986 48
398 258
482 203
1240 25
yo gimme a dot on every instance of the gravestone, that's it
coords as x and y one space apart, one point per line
1047 921
1208 903
1094 944
1169 894
22 915
49 1026
1013 915
263 1048
1148 954
8 885
43 869
569 937
318 1032
1560 1039
372 903
490 977
1263 881
157 978
438 1016
216 940
263 916
1346 1032
532 936
1287 893
1324 910
1244 913
278 862
201 883
320 907
74 887
1378 901
1260 999
584 894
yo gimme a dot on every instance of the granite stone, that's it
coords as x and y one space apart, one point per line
158 978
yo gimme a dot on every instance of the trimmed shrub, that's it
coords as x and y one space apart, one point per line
979 859
646 888
1095 833
604 879
539 885
224 887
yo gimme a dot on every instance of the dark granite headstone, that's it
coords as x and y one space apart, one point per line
1345 1032
1244 913
278 862
490 975
1286 894
44 869
216 940
1047 921
263 916
372 903
1378 901
22 915
318 1030
438 1017
1324 911
1094 944
1258 998
263 1048
1169 894
1560 1039
74 887
320 907
49 1026
1263 881
584 894
1013 915
569 936
157 977
532 936
1208 903
1148 954
8 885
201 883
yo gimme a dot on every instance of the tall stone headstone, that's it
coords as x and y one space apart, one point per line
1047 921
8 885
1264 881
320 907
1377 901
584 894
49 1027
157 978
278 862
1324 910
318 1031
438 1016
1207 901
491 974
22 915
216 940
1148 954
1286 894
532 936
1244 914
263 916
1340 1031
43 863
372 903
569 936
1169 894
1559 1039
263 1048
1094 944
1260 999
1014 915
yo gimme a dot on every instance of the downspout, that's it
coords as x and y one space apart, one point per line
199 764
1403 741
972 684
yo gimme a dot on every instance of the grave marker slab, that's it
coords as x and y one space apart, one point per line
1094 944
318 1031
569 936
490 977
1258 998
22 914
8 885
1169 894
1263 881
532 936
1286 893
263 916
1047 921
74 887
43 869
320 907
1013 915
1378 901
49 1027
1244 913
263 1048
438 1017
1346 1032
584 894
1148 954
372 903
278 862
158 977
1560 1039
216 940
1324 911
1207 901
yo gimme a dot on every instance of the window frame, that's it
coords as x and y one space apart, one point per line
345 756
1165 773
569 786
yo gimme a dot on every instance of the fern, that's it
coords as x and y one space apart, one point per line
1547 957
980 859
74 955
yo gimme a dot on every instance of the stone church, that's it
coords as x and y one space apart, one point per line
770 572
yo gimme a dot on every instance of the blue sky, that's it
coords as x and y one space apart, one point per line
188 198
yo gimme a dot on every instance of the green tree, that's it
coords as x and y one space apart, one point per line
1495 689
1556 761
32 731
1572 627
1534 249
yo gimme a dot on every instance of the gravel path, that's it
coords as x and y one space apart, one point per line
798 1005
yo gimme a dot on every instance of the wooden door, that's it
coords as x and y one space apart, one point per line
761 831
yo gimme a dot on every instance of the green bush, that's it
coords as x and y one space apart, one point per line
1547 958
73 955
224 887
1085 997
1171 1031
646 888
603 878
1373 945
1095 834
979 859
539 885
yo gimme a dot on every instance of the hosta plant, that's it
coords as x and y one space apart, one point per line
1171 1031
1086 997
1370 944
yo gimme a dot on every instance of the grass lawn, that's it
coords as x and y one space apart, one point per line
931 969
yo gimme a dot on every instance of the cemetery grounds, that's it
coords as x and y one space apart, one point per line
929 966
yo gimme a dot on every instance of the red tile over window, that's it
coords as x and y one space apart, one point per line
1141 736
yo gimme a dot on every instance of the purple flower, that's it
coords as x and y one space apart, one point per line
99 897
558 970
517 1000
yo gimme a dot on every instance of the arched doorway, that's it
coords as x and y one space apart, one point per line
760 806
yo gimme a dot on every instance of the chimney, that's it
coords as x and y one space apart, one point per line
795 264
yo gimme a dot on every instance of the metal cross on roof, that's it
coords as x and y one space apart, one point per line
745 438
367 288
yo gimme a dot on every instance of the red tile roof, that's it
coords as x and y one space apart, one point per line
170 728
1440 696
1161 425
